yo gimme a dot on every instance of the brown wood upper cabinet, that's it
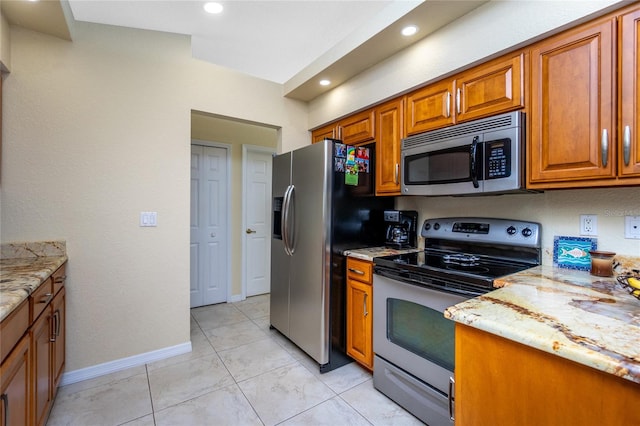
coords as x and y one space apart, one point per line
491 88
389 134
356 129
576 139
572 110
629 92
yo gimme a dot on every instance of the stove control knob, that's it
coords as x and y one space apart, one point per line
527 232
427 226
436 226
511 230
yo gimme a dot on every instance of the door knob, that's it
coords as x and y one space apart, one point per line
250 231
213 235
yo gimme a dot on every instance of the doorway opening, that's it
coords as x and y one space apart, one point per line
214 129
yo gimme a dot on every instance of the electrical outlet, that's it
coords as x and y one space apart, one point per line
632 227
588 224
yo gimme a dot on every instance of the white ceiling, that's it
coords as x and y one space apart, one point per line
272 40
291 42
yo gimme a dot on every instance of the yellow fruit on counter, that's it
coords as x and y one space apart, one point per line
634 282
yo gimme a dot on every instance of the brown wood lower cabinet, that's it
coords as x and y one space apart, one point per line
502 382
15 385
48 351
359 311
41 365
31 370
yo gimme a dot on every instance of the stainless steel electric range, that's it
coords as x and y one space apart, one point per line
413 343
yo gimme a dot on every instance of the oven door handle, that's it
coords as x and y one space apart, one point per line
452 398
473 163
401 276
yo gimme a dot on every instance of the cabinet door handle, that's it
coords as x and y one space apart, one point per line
458 101
365 305
448 113
452 399
58 322
605 147
397 173
356 271
5 402
54 327
626 145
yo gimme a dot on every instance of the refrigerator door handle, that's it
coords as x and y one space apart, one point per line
291 221
283 224
286 206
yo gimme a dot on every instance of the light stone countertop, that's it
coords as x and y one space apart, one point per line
23 267
590 320
369 253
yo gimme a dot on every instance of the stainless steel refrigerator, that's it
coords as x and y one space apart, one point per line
323 204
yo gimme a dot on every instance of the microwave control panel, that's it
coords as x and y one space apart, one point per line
498 158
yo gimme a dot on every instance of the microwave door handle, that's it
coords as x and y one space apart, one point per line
473 164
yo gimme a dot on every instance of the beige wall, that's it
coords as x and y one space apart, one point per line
558 211
205 127
494 27
96 131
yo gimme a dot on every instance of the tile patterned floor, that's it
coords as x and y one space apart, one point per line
239 373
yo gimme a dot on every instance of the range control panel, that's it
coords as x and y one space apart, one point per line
484 230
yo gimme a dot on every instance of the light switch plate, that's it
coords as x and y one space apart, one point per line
148 218
632 227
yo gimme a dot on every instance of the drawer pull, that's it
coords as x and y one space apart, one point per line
356 271
48 296
59 280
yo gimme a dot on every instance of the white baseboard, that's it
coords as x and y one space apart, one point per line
123 363
236 298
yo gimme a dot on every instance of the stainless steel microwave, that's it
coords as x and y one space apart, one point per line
479 157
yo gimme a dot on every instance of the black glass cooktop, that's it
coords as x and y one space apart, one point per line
451 264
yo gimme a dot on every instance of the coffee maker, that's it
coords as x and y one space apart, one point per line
401 228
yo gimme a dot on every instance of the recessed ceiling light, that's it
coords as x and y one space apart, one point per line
409 30
213 7
325 82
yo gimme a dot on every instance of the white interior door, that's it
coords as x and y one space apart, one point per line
209 241
257 219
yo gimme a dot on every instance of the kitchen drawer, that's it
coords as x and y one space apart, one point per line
59 277
13 328
40 298
360 270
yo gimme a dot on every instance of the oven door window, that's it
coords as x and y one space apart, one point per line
450 165
421 330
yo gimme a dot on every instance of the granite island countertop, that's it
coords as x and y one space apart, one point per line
369 253
572 314
22 270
